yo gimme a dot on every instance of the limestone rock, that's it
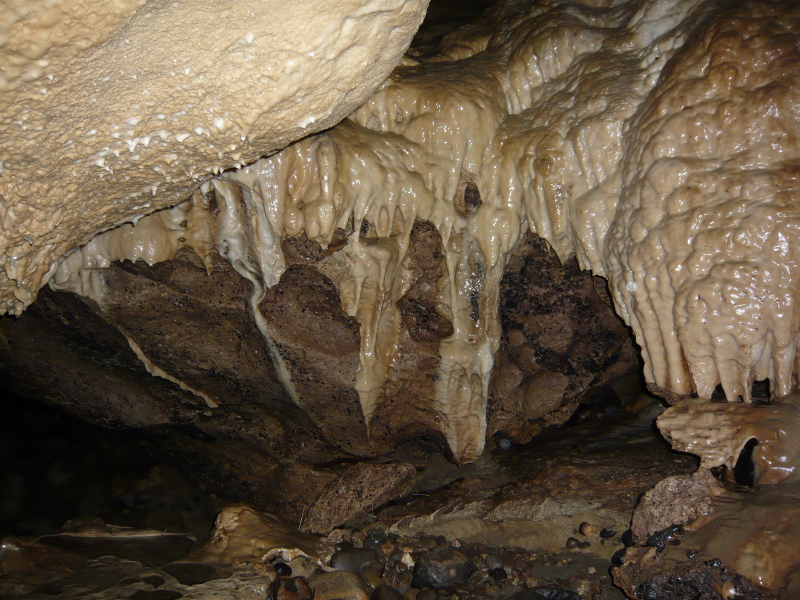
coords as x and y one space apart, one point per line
753 534
563 483
26 565
242 535
441 568
718 432
579 150
256 447
676 500
672 576
560 338
108 114
705 223
360 488
338 585
112 578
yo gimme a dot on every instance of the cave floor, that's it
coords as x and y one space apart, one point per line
549 515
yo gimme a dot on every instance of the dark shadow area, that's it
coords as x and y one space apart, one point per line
744 472
55 468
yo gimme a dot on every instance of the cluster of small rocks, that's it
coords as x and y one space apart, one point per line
380 566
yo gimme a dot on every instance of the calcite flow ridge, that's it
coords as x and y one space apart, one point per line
656 141
110 111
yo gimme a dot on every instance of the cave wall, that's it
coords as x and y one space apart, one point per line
654 141
109 112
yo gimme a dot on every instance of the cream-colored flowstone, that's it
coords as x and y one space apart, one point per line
656 141
109 111
753 532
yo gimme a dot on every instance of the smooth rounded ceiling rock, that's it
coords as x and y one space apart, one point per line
111 112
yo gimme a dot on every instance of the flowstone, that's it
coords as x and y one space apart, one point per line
747 522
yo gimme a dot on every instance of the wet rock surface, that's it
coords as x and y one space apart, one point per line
353 559
669 575
338 585
740 533
441 568
558 341
539 495
290 588
258 446
360 488
249 553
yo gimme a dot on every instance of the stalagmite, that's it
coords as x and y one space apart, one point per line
656 141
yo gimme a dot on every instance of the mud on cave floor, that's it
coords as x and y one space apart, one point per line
550 513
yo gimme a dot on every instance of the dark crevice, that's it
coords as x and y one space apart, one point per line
744 472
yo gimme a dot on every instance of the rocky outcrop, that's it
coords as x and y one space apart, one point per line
737 531
582 125
109 114
559 340
218 404
360 489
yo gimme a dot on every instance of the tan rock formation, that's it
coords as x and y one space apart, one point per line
749 525
566 122
360 489
702 249
109 114
242 534
656 141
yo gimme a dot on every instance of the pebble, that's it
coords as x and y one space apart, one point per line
372 575
385 592
502 442
493 561
410 594
571 543
584 545
498 574
290 588
353 559
427 594
377 534
587 529
396 555
663 537
282 569
617 559
607 534
442 567
627 538
338 585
